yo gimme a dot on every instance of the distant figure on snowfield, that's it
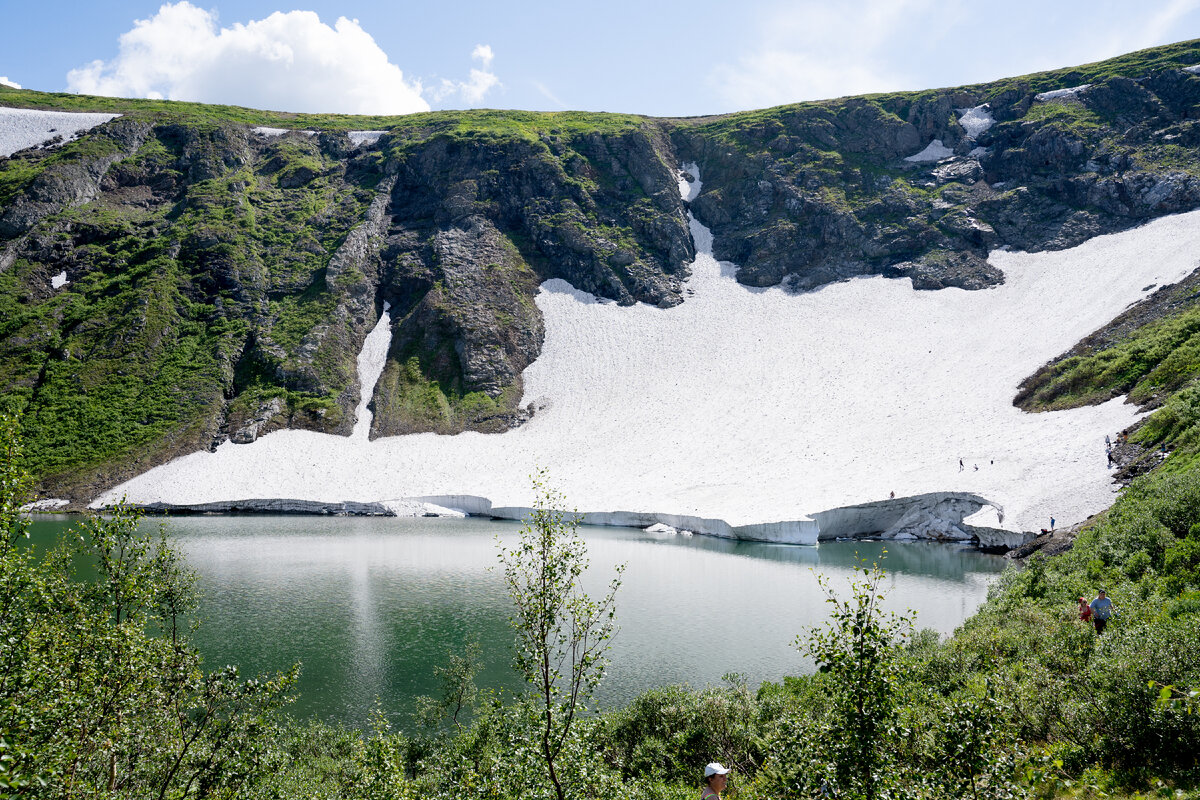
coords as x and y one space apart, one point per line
1052 523
960 465
1102 610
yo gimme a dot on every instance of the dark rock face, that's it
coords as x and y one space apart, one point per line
823 191
476 226
71 183
463 319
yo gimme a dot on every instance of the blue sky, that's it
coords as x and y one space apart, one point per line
660 58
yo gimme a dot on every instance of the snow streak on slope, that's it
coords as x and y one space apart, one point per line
756 405
370 367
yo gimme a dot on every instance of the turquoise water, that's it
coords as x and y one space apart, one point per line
370 605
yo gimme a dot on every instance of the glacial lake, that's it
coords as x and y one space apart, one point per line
371 605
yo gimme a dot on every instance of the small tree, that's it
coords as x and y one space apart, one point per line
563 635
457 685
859 649
976 760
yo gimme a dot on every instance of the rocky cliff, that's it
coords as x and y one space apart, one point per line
925 184
221 276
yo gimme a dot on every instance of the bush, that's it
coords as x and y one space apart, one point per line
1115 712
100 691
1181 564
669 734
860 650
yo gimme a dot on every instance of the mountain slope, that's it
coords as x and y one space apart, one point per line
222 279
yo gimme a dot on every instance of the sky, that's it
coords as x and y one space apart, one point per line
633 56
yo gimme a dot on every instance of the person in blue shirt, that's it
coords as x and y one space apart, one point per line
1102 611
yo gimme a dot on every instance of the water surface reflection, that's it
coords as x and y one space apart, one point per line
370 606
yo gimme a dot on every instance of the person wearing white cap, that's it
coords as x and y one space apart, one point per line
715 778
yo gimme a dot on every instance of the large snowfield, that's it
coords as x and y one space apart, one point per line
760 405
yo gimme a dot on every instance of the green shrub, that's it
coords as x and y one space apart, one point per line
100 692
1181 564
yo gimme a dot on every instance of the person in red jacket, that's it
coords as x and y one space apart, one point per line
1085 610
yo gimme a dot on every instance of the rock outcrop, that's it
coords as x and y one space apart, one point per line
820 192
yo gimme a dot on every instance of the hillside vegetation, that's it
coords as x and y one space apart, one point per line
221 281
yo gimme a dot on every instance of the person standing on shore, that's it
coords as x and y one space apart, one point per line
1102 611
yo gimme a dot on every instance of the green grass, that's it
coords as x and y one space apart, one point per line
131 357
525 124
1069 116
429 404
1158 358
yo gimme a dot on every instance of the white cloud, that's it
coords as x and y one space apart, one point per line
288 61
812 50
6 82
479 81
815 49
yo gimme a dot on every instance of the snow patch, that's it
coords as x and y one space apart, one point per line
934 151
736 414
978 152
417 508
1059 94
271 133
1194 69
59 280
987 516
22 128
49 504
976 120
359 138
689 182
370 367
